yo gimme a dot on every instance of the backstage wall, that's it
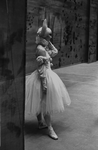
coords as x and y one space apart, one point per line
74 27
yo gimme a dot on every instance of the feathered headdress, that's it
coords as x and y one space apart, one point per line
44 31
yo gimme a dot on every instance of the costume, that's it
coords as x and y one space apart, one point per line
41 66
43 79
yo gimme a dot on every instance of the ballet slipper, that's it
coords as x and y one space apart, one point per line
52 133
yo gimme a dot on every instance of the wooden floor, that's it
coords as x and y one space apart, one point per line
77 127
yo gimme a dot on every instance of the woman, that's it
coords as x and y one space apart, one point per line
45 92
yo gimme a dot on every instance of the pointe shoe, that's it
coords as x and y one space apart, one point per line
41 125
52 133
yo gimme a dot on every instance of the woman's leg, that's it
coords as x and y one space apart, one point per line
51 132
41 125
39 117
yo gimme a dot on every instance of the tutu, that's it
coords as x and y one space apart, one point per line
56 98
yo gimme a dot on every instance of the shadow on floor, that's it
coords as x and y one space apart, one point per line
31 129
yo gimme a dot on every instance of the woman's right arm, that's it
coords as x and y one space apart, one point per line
52 50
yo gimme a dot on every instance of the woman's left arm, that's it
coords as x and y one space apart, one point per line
42 58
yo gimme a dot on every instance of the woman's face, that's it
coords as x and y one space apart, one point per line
48 38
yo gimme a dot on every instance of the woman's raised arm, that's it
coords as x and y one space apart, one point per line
52 50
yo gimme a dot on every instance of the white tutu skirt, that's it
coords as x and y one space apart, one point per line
56 98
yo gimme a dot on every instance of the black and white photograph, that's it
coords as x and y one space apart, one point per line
49 74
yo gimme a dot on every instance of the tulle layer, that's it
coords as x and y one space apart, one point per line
56 98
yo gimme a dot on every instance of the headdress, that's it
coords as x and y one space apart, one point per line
44 31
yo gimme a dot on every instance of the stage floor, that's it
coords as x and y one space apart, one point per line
77 127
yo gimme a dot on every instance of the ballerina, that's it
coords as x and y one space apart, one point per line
45 91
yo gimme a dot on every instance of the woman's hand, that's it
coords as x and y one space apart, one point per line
42 57
39 59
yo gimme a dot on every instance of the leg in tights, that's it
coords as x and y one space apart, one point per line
47 118
41 124
39 117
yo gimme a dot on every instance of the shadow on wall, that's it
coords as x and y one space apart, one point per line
12 69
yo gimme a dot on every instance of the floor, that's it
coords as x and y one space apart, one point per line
77 127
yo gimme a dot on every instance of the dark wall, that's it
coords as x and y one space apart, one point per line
73 23
93 27
12 48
